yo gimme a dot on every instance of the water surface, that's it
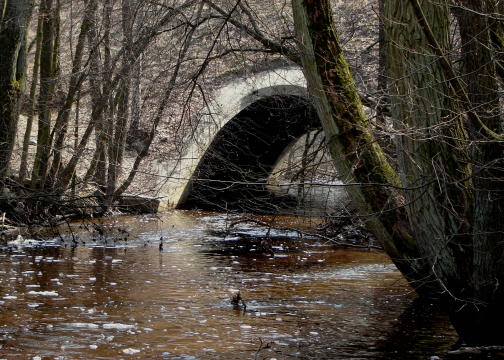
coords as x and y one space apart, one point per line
119 296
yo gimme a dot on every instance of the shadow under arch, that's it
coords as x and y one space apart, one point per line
233 173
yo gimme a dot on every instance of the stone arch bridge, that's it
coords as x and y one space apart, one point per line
251 122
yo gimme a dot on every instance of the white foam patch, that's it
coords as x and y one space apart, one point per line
118 326
83 325
43 293
130 351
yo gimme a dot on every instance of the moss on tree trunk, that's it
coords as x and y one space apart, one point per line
440 224
351 143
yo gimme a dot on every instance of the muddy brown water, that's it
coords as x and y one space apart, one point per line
120 297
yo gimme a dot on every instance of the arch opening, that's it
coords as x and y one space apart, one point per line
233 173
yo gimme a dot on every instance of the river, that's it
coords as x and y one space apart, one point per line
116 295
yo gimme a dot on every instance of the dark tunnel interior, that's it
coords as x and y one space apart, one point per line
233 173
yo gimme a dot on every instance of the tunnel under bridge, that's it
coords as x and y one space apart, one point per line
233 174
227 163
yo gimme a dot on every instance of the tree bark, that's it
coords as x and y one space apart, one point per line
357 155
103 130
382 82
77 77
122 100
480 73
15 17
434 152
46 94
450 153
23 167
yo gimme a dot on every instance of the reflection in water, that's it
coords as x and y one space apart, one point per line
127 299
420 325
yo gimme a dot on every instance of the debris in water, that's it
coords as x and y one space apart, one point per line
238 302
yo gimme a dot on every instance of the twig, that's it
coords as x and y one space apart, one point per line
304 233
262 346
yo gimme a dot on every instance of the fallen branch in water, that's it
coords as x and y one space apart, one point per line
303 234
262 346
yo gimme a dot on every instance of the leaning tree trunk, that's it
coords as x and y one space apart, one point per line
15 18
450 224
351 143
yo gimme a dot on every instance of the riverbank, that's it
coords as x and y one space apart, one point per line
268 230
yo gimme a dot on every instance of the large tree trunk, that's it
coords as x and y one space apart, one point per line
433 152
15 17
480 75
450 153
467 210
349 138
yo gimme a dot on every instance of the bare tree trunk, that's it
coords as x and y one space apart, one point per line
46 94
95 73
76 136
135 102
382 64
23 168
122 99
103 131
77 77
136 94
15 17
164 103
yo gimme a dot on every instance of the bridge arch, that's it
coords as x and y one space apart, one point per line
250 122
233 173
